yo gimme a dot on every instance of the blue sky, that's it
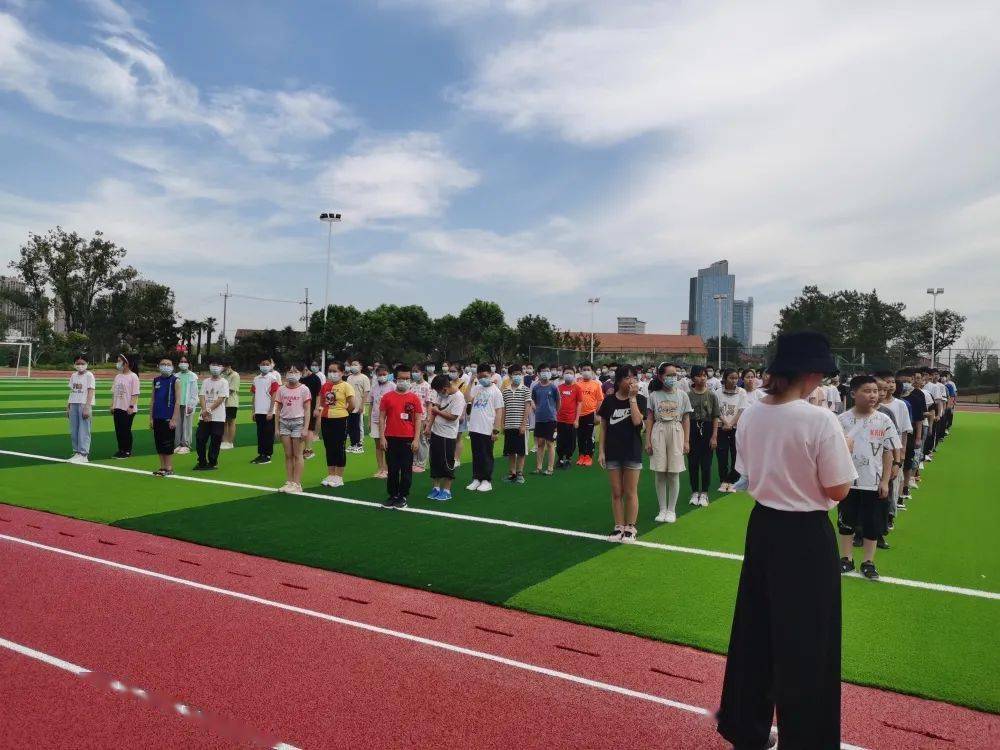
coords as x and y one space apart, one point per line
532 152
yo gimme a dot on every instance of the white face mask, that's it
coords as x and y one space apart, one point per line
431 369
119 366
416 376
587 374
183 366
215 369
81 368
355 369
545 374
166 369
292 377
335 377
569 377
265 369
383 378
314 368
402 386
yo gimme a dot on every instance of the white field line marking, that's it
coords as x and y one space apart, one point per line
368 627
57 411
929 586
116 685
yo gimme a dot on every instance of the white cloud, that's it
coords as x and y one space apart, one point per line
406 177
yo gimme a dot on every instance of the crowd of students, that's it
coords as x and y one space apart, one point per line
679 417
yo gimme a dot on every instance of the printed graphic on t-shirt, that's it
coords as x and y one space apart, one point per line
872 436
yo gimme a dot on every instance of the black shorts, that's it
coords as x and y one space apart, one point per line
545 430
513 443
908 452
163 437
864 511
442 457
231 413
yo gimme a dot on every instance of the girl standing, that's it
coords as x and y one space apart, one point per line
291 403
620 450
732 402
188 402
336 402
446 408
312 379
124 403
752 386
704 435
784 651
163 414
79 409
668 434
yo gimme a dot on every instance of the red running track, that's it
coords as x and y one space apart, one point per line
255 674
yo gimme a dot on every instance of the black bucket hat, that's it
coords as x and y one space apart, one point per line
803 351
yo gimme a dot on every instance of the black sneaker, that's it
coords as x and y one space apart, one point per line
882 543
901 503
265 459
389 502
118 454
201 467
868 570
846 565
399 503
892 522
212 467
258 460
858 540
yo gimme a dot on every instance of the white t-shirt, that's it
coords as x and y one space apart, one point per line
754 396
262 393
928 397
213 389
79 384
872 436
731 404
684 384
833 398
644 388
275 376
485 402
940 392
901 413
714 383
790 452
453 403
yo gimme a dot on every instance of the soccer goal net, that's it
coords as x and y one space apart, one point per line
15 359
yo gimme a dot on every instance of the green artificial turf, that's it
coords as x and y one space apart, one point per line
936 644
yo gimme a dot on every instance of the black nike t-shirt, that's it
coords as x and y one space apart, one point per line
623 440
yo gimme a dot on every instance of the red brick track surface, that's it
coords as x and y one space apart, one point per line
174 665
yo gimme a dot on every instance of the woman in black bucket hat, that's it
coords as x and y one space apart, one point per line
784 651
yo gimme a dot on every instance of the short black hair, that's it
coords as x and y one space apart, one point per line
337 362
568 368
697 370
382 367
513 368
586 364
400 367
81 356
726 373
885 374
483 367
859 380
622 372
440 381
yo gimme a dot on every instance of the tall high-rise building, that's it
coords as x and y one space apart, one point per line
703 310
631 325
743 321
684 328
19 320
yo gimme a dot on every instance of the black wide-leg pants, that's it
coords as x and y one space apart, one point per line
784 651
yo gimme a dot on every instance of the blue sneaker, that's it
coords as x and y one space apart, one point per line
444 495
435 494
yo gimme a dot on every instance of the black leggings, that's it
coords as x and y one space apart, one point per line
565 440
334 431
700 457
265 435
354 428
123 429
725 452
585 434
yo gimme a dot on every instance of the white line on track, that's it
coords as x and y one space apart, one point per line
368 627
926 585
57 411
116 685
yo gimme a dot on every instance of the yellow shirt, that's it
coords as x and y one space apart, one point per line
333 398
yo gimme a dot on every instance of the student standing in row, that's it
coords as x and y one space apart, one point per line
420 386
262 391
752 387
380 386
189 403
485 423
163 414
732 402
400 418
79 410
464 386
208 439
870 436
516 409
332 410
704 435
125 403
446 409
312 379
899 412
568 417
620 450
784 651
232 406
668 435
362 385
545 406
291 404
591 396
914 399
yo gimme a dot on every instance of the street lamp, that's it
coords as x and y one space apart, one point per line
592 301
718 303
330 219
934 293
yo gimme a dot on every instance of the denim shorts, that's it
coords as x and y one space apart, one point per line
291 427
618 465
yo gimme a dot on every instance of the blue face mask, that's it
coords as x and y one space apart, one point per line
415 376
516 379
670 381
485 382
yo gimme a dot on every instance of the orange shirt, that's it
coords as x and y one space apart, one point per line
591 395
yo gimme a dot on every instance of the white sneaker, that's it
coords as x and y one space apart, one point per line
338 482
704 500
83 459
670 517
913 484
484 487
921 466
457 463
695 498
724 487
180 450
661 517
328 481
226 447
473 485
294 488
74 459
285 487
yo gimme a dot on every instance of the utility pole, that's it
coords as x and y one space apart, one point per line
225 308
592 301
306 303
934 292
330 219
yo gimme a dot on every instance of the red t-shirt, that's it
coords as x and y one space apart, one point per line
570 394
400 410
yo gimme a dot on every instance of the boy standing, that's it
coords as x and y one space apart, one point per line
188 402
380 387
163 416
262 391
545 406
568 416
870 437
214 392
232 406
423 391
516 408
485 421
447 407
591 396
400 416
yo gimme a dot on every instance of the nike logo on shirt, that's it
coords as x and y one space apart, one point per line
620 415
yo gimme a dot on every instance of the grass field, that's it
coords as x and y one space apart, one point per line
937 643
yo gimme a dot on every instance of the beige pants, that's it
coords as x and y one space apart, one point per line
668 447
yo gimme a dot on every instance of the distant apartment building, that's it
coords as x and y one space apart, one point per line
703 308
743 321
684 328
631 325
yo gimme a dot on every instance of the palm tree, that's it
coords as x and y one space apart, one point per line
199 328
187 332
209 330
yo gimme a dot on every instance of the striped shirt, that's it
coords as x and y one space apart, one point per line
515 401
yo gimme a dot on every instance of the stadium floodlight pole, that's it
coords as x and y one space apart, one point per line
934 293
592 301
718 303
330 219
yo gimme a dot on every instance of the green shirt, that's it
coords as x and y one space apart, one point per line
233 378
705 406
